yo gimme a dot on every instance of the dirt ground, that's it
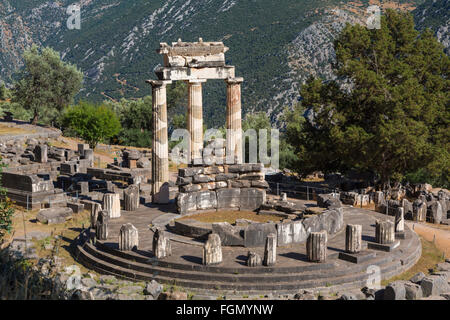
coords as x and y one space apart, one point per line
429 232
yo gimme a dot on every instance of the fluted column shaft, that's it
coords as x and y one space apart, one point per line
160 148
195 119
234 120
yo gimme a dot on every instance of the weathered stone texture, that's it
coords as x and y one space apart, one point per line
353 238
270 250
162 247
384 232
212 250
316 246
128 238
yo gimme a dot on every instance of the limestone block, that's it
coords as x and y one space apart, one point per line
270 250
251 198
253 259
229 235
111 203
434 285
128 238
395 291
255 234
206 200
162 247
228 198
54 215
384 232
290 233
434 212
95 211
212 250
131 198
186 202
316 246
353 238
102 225
399 220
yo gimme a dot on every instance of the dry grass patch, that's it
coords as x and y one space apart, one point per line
231 217
67 233
6 130
431 256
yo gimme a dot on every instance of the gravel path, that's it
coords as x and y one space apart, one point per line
428 232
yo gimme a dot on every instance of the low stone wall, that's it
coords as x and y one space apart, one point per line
236 187
253 234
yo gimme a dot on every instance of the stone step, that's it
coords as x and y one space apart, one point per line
258 286
271 282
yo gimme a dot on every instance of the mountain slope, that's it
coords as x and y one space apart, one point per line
275 45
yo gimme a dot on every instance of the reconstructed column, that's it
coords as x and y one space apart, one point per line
353 238
95 211
384 232
400 220
111 203
161 244
195 120
101 231
131 198
160 149
316 246
234 120
212 251
270 250
253 259
128 238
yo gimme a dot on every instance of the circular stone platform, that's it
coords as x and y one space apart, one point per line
291 273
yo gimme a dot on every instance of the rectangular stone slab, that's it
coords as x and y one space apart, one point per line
383 247
357 257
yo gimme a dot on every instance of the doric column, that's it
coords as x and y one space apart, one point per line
234 120
160 148
195 120
316 246
384 232
353 238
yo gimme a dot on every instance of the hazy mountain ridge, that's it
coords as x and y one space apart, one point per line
274 45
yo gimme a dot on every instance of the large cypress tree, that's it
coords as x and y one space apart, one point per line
388 111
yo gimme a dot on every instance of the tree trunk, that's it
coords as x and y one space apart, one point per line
35 118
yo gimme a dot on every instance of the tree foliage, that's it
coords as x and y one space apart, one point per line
6 210
46 84
388 112
92 123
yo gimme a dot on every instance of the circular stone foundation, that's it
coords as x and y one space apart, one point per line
291 273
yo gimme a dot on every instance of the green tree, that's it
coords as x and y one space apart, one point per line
257 121
6 210
389 111
46 84
136 120
92 123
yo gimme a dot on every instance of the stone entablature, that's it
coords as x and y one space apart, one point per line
237 187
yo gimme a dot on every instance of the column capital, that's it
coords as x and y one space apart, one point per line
158 83
237 80
196 81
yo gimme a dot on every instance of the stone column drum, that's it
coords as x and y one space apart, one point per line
270 250
316 246
131 198
212 250
384 232
111 203
400 220
160 150
234 121
128 238
101 231
253 259
95 211
195 120
161 244
353 238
